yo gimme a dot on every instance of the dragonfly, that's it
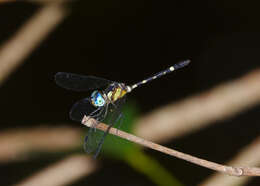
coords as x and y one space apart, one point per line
107 98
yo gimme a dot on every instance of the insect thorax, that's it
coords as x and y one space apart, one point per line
116 91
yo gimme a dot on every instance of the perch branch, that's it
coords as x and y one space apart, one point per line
233 171
249 156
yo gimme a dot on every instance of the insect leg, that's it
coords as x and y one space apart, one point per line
103 138
119 114
93 125
120 118
91 115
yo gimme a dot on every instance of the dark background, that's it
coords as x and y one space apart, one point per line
127 41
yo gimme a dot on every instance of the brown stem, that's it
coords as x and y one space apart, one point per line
233 171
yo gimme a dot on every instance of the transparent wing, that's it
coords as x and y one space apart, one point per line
78 82
94 135
115 111
91 140
78 111
95 138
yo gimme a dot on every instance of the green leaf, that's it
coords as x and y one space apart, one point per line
151 168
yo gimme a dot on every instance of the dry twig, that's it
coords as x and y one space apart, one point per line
233 171
248 156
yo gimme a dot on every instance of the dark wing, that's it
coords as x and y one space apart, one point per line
81 108
78 82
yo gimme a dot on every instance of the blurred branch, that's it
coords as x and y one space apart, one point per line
15 50
6 1
233 171
49 1
34 1
63 172
248 156
219 103
16 144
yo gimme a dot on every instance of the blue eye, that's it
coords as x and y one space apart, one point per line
97 99
100 101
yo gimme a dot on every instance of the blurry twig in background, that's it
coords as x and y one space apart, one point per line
233 171
47 1
6 1
63 172
17 144
15 50
248 156
34 1
191 114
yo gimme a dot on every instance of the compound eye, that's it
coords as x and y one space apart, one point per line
100 101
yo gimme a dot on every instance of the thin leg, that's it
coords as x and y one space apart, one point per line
105 134
91 114
102 116
121 116
87 138
116 115
92 128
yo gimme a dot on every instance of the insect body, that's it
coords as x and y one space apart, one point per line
107 97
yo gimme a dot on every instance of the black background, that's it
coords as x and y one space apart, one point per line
127 41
